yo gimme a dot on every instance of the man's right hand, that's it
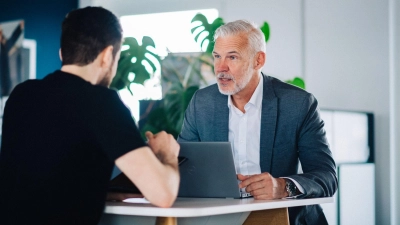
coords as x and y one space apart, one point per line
154 169
163 145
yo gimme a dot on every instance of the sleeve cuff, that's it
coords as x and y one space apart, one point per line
299 187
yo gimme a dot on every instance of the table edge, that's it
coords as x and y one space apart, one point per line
210 211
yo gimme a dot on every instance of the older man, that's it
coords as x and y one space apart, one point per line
270 124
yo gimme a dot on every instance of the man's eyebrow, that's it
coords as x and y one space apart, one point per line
231 52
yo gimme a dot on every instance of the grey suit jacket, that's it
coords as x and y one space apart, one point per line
291 130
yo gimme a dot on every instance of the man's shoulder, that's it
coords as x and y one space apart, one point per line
209 95
282 89
70 89
27 87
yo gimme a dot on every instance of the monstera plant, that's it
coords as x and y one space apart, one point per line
131 63
181 77
206 28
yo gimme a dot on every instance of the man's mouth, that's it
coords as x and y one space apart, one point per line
225 79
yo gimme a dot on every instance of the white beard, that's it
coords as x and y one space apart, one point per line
238 86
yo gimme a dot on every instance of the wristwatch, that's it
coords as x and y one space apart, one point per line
290 188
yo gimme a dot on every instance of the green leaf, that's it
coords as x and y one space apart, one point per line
182 76
265 29
157 120
297 81
208 28
126 66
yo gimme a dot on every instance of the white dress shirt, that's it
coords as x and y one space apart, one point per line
244 135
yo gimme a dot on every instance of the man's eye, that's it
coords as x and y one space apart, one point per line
216 56
232 57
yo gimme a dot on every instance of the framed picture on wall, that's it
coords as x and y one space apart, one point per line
17 59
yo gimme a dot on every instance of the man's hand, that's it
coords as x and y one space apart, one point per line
163 145
263 186
153 169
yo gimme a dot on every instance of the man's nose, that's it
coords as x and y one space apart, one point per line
221 66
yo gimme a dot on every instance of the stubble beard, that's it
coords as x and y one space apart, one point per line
107 78
238 86
106 81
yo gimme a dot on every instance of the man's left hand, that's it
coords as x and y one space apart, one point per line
263 186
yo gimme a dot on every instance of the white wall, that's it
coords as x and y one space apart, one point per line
341 48
347 67
394 45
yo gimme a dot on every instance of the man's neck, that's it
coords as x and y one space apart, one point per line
241 98
85 72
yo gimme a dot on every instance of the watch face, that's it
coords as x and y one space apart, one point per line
290 188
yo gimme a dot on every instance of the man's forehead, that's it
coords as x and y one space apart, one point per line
231 44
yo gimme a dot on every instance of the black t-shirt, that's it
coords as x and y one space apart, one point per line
61 136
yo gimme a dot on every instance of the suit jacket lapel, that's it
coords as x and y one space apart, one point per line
221 118
269 115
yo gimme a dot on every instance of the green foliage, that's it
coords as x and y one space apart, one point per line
131 61
297 81
169 115
206 27
181 86
265 29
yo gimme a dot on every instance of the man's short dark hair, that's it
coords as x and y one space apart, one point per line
86 32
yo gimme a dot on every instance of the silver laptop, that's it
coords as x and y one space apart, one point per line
208 171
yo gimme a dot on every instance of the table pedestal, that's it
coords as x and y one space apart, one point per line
166 221
268 217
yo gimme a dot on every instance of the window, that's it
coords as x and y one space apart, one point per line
171 32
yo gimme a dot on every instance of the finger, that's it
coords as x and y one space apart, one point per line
258 192
255 186
149 135
262 197
241 177
251 179
161 133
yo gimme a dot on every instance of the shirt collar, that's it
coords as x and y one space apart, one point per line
256 98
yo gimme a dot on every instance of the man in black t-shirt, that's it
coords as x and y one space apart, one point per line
63 134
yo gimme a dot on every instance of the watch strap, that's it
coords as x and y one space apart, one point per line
291 188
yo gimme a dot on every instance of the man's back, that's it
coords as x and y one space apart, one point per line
61 136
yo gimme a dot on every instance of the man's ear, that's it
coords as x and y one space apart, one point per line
259 60
106 55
